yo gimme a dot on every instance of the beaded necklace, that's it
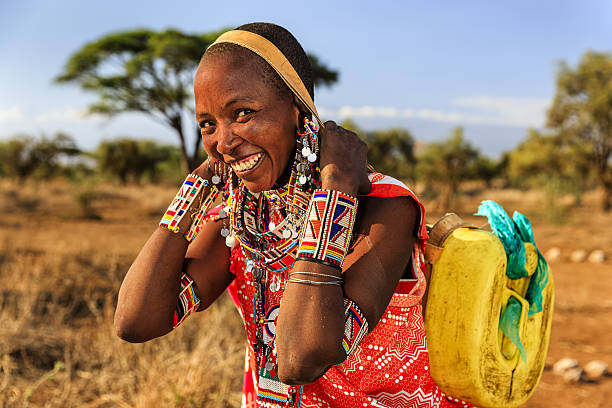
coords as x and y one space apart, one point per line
268 225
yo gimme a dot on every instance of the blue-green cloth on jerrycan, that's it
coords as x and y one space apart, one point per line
513 233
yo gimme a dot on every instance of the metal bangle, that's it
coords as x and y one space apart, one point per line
314 283
323 275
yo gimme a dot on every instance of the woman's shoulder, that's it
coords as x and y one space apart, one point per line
387 186
391 189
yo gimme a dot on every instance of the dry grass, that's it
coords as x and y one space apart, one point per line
61 267
60 272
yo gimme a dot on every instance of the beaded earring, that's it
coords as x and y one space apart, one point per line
227 213
309 152
222 175
216 164
302 176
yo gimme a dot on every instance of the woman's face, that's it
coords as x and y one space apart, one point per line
245 121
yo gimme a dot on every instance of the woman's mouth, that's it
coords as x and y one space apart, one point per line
248 163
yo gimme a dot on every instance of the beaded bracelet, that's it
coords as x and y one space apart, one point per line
188 302
181 202
326 235
355 327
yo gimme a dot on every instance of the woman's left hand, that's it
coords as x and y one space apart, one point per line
343 160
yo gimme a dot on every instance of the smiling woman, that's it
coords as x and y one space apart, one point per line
327 277
245 122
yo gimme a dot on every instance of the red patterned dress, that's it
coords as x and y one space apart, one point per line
390 367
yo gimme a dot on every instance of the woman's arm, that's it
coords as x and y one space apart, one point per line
311 318
149 293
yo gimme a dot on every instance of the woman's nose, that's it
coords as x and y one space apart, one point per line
227 140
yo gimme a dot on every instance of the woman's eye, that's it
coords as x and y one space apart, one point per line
205 125
243 112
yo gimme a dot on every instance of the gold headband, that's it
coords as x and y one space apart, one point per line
277 60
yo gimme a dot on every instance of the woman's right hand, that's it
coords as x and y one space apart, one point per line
343 160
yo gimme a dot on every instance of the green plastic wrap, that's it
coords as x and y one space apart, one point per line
539 280
509 324
513 233
505 229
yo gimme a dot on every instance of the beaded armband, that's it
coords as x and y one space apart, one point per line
187 303
182 202
355 327
327 230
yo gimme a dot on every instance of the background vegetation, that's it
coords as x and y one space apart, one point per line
150 72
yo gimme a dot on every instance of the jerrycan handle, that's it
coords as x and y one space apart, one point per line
439 232
508 349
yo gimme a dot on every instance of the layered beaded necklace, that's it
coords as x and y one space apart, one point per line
268 226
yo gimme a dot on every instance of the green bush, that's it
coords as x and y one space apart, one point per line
138 160
540 157
445 165
23 156
390 151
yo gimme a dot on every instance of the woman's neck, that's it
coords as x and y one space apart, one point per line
283 180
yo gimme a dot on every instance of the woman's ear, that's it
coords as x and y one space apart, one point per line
302 111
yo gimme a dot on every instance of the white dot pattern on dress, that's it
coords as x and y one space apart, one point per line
380 362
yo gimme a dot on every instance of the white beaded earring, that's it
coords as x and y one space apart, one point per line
310 150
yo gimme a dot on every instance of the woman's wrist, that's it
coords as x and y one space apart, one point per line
338 182
187 210
326 236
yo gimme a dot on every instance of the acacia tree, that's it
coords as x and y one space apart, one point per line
581 114
151 72
447 164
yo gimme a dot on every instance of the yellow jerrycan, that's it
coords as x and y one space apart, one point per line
470 356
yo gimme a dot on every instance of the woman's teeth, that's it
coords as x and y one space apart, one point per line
248 164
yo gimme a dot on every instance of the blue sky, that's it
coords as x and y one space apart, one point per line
487 66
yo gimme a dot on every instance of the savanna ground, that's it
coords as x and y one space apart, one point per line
64 249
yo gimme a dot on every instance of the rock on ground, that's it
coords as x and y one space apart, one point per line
553 255
595 370
565 364
573 375
597 256
579 255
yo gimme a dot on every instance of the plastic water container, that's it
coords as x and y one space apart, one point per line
470 357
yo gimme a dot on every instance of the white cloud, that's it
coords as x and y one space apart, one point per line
13 113
67 114
512 111
485 110
367 112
